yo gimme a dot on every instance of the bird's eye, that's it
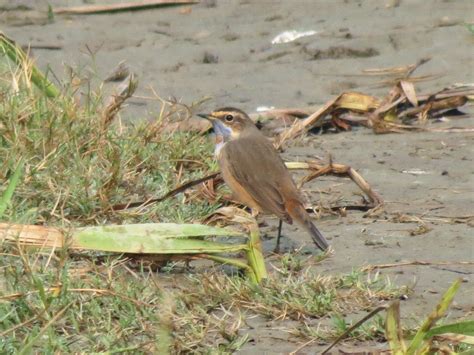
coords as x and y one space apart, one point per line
229 118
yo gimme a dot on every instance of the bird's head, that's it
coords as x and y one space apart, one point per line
230 123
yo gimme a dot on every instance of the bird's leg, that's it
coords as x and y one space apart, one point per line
277 247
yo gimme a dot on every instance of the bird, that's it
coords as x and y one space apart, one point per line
256 174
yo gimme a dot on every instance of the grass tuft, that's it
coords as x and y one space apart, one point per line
75 171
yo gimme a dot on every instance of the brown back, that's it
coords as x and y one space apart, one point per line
255 164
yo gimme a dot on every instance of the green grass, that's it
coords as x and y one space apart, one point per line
112 305
74 170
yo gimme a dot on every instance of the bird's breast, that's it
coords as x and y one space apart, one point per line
219 145
218 149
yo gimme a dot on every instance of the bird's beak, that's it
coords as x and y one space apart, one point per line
219 128
207 116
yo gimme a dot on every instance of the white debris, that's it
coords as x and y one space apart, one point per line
290 36
415 172
264 108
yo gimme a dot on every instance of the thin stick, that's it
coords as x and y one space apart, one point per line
441 104
415 262
348 331
51 47
176 191
338 169
301 126
28 321
311 341
127 6
417 65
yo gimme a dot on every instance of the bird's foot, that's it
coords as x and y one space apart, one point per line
276 250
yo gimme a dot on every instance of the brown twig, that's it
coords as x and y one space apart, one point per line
457 90
20 325
126 6
356 325
442 104
51 47
403 71
301 126
414 263
339 169
172 193
417 65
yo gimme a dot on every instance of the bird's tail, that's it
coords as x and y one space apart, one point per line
300 216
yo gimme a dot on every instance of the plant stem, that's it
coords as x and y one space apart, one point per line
17 55
254 254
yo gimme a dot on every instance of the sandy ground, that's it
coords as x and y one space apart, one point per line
429 175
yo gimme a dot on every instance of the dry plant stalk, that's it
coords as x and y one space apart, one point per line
403 71
126 6
124 91
400 73
442 104
339 169
181 188
35 236
302 126
415 263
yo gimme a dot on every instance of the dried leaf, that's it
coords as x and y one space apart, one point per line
301 126
357 102
409 90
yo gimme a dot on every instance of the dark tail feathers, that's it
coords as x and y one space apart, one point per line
301 217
